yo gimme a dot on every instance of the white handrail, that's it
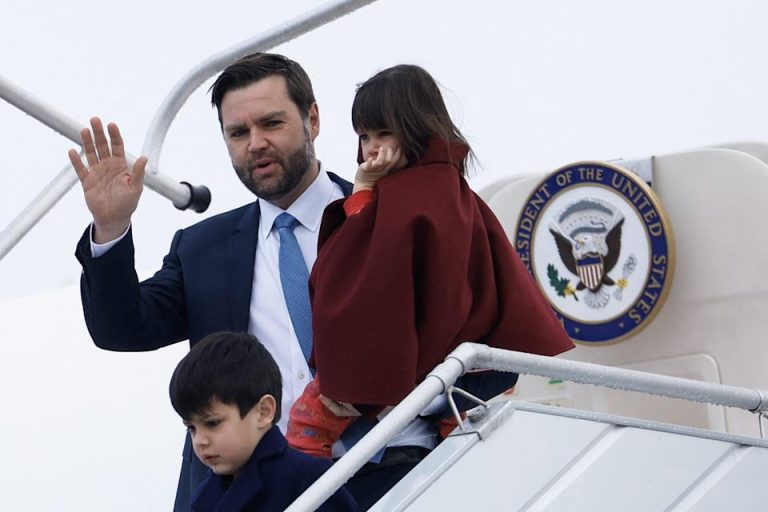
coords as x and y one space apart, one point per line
36 209
178 193
469 356
182 195
173 102
43 112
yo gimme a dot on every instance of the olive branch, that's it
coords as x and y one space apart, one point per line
561 285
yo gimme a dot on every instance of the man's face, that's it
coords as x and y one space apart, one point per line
224 441
270 145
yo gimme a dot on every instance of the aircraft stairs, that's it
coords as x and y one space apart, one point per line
526 456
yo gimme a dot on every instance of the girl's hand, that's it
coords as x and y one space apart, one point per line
373 169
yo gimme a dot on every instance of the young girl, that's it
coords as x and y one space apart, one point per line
410 266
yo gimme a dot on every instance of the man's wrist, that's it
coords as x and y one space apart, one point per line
99 249
105 233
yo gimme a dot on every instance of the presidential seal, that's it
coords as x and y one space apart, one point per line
596 240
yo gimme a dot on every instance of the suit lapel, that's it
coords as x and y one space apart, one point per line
241 254
346 187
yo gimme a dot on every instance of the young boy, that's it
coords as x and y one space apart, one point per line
228 390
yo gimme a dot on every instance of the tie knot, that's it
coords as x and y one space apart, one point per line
286 220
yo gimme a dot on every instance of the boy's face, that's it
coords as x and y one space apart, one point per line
224 441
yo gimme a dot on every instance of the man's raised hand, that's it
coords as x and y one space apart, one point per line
111 188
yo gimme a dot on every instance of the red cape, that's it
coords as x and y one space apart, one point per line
422 268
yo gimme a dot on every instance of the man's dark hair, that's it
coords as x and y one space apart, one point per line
257 66
234 368
406 100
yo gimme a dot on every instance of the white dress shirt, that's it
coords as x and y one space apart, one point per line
269 319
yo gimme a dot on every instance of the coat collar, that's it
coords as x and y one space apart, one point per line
440 151
225 494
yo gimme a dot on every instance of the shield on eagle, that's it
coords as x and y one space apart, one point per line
590 270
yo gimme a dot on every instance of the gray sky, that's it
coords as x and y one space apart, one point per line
534 85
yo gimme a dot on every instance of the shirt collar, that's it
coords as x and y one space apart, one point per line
307 209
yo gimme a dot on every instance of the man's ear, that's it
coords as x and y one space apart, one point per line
313 119
265 411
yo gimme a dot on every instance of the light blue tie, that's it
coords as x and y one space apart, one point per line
295 280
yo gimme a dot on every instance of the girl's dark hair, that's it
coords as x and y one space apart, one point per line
231 367
406 100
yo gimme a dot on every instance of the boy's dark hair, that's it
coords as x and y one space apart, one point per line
406 100
258 66
234 368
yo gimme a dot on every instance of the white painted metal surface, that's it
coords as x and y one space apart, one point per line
558 474
714 314
550 459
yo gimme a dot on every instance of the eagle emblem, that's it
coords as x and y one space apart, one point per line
587 233
598 243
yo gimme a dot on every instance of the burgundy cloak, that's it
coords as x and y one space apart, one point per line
422 268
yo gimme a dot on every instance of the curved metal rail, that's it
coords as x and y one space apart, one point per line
469 356
173 102
182 194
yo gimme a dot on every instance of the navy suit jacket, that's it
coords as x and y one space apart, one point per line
273 478
204 285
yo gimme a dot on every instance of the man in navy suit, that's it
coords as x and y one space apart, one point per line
220 274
